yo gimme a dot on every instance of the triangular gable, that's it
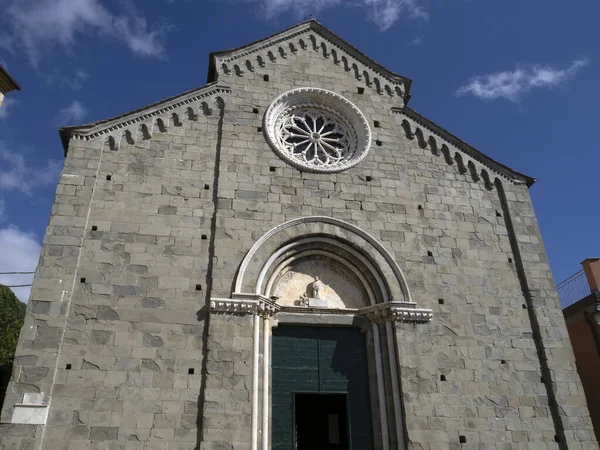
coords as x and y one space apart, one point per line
454 150
190 101
429 135
310 34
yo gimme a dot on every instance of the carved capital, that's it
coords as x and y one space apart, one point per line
396 312
244 304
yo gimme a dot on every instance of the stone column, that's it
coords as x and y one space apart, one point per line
231 414
382 317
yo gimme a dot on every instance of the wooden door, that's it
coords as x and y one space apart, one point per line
314 360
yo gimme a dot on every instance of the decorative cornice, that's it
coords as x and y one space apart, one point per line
143 115
279 44
396 312
421 127
244 304
406 312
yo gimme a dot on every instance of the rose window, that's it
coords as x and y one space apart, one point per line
315 138
317 130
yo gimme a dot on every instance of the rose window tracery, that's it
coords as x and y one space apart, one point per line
317 130
315 137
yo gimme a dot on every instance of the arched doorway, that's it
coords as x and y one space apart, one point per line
321 280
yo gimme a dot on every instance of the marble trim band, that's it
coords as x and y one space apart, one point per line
406 312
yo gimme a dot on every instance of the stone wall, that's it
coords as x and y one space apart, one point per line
116 335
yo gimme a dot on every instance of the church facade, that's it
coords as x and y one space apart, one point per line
290 257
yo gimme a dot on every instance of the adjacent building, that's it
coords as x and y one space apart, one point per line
291 257
580 298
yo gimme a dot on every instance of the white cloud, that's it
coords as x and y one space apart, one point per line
7 105
40 25
417 41
17 175
511 85
384 13
79 77
19 252
75 112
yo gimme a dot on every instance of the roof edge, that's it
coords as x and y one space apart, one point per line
467 148
67 132
7 80
327 33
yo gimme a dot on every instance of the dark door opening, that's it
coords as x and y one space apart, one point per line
321 421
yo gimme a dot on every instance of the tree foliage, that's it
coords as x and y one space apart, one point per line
12 313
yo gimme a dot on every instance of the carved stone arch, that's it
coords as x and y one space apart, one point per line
356 247
447 157
249 66
407 129
420 138
260 61
271 56
324 49
346 63
316 254
159 125
498 184
191 114
127 137
174 120
486 180
377 84
433 145
313 41
143 132
219 104
111 143
293 48
238 71
398 91
356 72
388 90
366 77
225 69
302 44
206 110
336 59
281 52
473 171
460 163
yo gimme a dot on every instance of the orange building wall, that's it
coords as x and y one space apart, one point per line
588 366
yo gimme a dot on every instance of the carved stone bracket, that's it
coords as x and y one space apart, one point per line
244 304
397 312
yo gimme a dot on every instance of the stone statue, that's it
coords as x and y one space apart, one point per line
304 300
316 287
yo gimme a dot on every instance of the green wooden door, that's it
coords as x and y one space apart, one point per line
319 360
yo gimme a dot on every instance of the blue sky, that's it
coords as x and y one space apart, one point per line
517 79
